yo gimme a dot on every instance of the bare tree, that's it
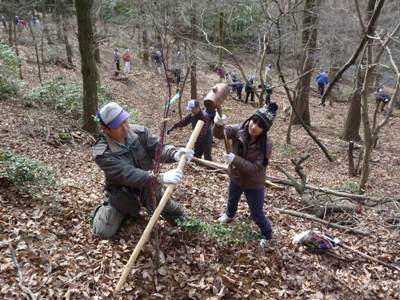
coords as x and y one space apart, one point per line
193 67
309 44
353 120
372 129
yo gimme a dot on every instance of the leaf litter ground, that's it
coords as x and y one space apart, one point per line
59 257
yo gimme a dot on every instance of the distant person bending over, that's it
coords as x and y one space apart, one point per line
179 64
322 79
248 163
156 58
382 99
203 143
267 90
127 58
125 153
236 84
249 89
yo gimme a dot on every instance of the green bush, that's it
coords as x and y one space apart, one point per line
9 80
234 233
58 94
63 95
27 176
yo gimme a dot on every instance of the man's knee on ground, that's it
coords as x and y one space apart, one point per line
107 221
103 231
172 211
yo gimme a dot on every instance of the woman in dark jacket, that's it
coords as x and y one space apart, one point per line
252 149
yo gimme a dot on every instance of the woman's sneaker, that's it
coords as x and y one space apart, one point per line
268 244
224 219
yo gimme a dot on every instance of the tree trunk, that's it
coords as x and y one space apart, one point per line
96 45
145 40
45 25
42 51
88 63
68 48
10 33
309 44
3 21
36 51
353 121
60 36
17 50
193 79
221 40
335 63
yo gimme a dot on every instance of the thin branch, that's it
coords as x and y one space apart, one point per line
356 197
395 93
318 220
356 53
359 15
26 290
393 267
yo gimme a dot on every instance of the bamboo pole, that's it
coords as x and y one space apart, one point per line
146 233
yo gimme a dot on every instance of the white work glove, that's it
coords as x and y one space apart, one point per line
229 157
173 176
182 151
220 120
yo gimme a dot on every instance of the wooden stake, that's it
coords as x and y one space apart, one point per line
146 233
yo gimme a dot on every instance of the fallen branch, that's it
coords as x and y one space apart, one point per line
272 179
27 291
315 219
370 257
358 198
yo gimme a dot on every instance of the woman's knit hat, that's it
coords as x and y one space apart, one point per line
267 114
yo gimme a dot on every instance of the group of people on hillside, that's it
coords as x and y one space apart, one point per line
156 60
126 154
382 98
126 58
250 85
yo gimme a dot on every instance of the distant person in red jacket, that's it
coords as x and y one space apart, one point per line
127 57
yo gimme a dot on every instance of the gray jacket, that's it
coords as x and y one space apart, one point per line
127 165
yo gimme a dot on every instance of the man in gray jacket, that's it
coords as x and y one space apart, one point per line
125 153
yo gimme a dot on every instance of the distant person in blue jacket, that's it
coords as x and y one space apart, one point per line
322 79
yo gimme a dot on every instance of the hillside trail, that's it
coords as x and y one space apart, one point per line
59 256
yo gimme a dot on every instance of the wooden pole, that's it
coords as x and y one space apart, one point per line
146 233
228 147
